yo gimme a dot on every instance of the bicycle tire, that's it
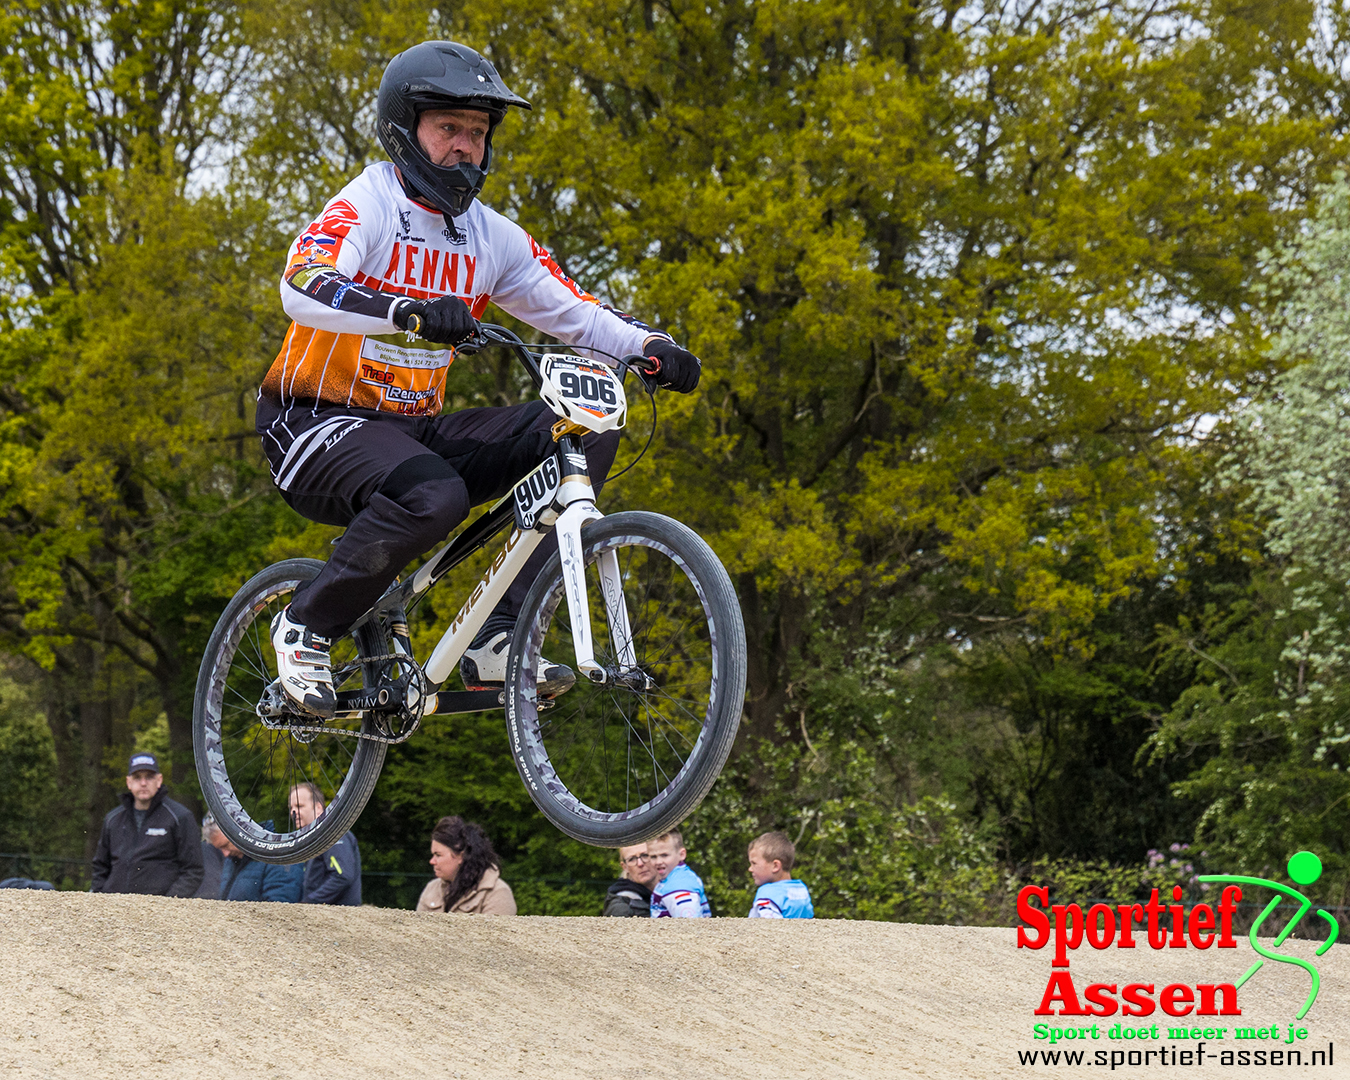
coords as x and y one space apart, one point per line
565 786
222 737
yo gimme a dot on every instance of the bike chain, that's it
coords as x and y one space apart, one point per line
319 729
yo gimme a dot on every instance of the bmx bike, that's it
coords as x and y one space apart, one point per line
653 632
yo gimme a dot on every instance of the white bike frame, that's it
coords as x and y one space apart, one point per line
578 500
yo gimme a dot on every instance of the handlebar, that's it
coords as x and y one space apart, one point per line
490 335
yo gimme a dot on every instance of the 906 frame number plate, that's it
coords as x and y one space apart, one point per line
536 493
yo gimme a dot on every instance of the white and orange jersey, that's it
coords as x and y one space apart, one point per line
370 247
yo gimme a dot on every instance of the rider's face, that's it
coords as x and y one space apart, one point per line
451 136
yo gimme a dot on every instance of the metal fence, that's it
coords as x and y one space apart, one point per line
399 888
75 874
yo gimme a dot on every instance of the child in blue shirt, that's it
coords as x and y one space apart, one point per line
678 894
779 895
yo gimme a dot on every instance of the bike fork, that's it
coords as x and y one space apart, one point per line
568 530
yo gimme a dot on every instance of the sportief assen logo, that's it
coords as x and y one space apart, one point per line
1161 925
1101 928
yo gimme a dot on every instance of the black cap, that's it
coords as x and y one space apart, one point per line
142 762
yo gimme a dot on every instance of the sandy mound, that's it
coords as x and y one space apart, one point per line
149 987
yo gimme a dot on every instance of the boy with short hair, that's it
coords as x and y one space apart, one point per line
779 895
678 893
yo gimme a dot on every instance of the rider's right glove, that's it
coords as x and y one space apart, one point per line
676 369
445 320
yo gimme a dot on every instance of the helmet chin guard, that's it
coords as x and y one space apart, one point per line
439 75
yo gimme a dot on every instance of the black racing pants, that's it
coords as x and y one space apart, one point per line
400 485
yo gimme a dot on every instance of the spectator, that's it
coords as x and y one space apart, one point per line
632 893
468 873
148 844
778 894
678 893
335 876
242 878
25 883
213 860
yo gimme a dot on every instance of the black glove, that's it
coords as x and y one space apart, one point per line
676 369
445 320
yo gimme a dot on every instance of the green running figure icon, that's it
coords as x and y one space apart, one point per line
1304 868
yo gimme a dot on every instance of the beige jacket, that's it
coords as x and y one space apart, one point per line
492 897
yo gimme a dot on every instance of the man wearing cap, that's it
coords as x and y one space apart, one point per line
149 844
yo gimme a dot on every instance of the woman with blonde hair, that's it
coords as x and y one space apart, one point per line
468 873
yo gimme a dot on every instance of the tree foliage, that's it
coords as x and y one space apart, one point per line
971 283
1270 663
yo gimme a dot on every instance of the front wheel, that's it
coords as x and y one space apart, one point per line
625 760
253 749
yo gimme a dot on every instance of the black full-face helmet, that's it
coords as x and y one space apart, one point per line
439 75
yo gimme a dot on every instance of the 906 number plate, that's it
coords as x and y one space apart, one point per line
536 493
583 391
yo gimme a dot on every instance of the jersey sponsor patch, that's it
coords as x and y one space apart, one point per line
427 270
156 832
310 276
345 288
403 396
394 350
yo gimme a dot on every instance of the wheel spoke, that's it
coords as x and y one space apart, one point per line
262 763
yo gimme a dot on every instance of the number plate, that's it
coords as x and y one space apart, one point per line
535 494
583 391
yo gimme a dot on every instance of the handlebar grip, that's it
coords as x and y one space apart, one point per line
643 365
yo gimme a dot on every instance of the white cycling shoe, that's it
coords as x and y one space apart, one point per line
304 666
484 668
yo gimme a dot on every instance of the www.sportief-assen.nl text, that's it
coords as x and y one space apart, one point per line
1193 1055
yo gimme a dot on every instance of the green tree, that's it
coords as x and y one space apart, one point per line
131 334
30 803
968 281
963 279
1266 710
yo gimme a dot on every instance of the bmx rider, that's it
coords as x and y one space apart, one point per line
380 288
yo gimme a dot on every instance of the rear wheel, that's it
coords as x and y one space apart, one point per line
624 760
248 763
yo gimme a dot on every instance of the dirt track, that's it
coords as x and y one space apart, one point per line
147 987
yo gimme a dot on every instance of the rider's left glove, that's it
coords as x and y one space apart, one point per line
445 320
679 368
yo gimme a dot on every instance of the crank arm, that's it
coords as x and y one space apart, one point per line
385 699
